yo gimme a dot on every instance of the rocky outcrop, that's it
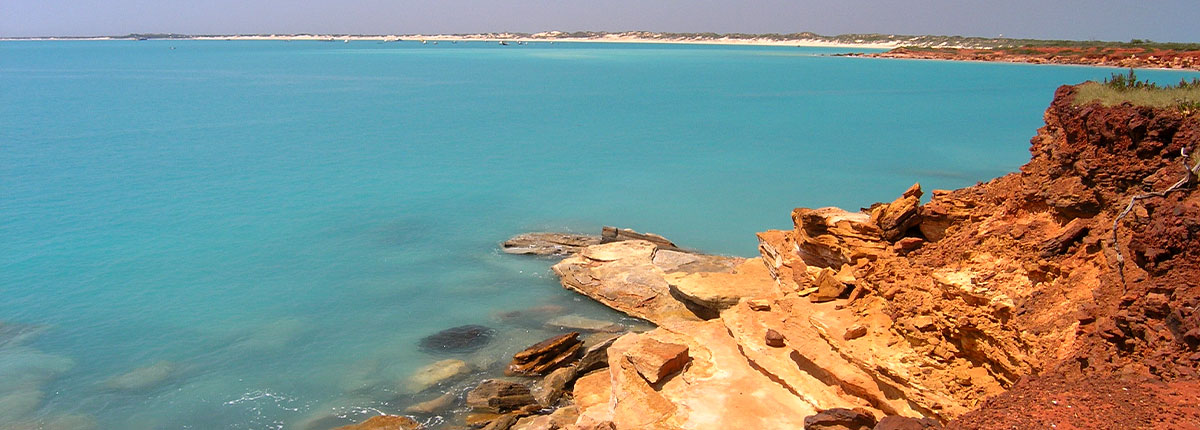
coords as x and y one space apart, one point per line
630 276
565 244
546 355
551 244
613 234
919 313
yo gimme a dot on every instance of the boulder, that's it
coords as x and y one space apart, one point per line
828 286
623 276
896 218
384 422
497 396
435 374
576 322
943 211
550 389
464 338
780 254
503 422
896 422
775 339
546 355
832 237
840 419
854 332
595 356
549 244
656 360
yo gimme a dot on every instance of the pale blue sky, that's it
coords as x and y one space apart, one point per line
1160 20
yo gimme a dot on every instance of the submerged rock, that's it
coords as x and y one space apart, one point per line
20 404
436 373
143 378
384 422
17 334
432 406
464 338
576 322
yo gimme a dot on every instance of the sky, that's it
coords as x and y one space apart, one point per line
1120 20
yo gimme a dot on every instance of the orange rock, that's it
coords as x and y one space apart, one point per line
546 355
656 360
384 422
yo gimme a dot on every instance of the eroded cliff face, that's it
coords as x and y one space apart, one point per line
1013 286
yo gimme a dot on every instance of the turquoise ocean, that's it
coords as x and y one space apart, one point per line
262 232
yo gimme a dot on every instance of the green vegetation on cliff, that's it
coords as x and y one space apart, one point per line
1123 88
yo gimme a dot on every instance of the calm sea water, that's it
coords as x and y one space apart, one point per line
266 229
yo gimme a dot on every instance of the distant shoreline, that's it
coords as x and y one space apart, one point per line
614 38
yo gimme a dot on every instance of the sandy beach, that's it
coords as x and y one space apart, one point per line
507 37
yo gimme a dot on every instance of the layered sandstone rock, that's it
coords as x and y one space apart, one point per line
922 311
384 422
546 355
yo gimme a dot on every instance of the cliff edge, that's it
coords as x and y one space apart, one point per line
1004 304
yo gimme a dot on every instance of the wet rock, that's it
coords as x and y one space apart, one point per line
144 378
595 356
503 422
465 338
384 422
896 422
546 355
550 389
840 419
497 396
774 339
432 406
550 244
575 322
480 419
612 234
656 360
436 373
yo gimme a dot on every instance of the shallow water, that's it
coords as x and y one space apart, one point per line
267 229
